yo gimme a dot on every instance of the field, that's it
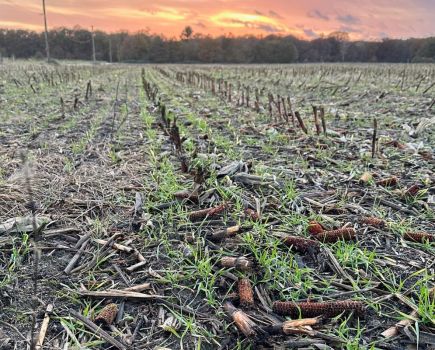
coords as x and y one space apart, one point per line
187 201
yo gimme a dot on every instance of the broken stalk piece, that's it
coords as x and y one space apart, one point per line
204 213
366 177
44 327
225 233
292 326
374 137
240 263
242 320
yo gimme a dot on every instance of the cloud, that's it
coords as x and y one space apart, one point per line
267 28
348 29
310 33
274 14
163 13
318 14
348 19
239 20
20 25
362 18
201 25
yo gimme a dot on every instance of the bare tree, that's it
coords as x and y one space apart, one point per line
47 49
343 39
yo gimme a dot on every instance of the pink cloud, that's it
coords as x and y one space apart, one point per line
362 18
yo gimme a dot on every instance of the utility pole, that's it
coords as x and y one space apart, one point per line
93 46
110 48
47 49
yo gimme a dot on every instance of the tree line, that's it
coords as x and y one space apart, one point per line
143 46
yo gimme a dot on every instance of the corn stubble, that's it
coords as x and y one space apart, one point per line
241 320
225 233
240 263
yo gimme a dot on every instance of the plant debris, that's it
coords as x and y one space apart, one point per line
197 206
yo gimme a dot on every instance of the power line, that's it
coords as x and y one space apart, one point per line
47 49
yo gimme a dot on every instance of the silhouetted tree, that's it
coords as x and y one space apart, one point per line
426 52
186 33
75 43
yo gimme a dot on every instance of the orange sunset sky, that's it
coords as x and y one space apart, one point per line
362 19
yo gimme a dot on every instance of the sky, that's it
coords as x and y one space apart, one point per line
308 19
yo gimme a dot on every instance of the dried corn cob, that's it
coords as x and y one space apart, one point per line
107 314
412 191
246 294
346 233
372 221
388 182
396 144
426 155
308 309
252 214
419 237
301 244
314 228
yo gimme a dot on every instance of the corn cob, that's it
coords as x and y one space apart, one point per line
107 314
308 309
246 294
301 244
345 233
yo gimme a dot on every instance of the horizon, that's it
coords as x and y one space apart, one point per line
366 20
205 35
